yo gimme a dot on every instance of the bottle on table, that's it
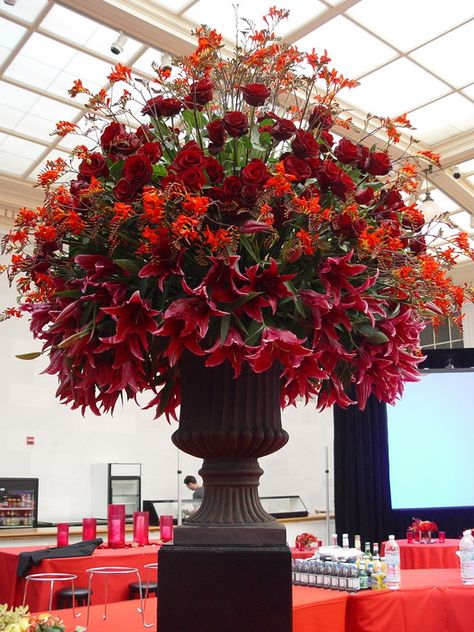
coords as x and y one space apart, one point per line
334 539
367 551
357 544
345 540
363 577
466 555
375 549
392 560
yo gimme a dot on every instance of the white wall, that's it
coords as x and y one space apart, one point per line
66 444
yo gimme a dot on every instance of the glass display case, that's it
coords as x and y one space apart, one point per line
277 506
18 502
116 484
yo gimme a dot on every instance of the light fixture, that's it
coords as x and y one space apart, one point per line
11 3
428 207
119 44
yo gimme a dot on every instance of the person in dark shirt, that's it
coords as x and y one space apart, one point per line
192 484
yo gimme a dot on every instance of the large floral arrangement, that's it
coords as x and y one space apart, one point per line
227 221
422 525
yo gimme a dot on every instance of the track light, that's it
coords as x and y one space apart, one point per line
11 3
119 44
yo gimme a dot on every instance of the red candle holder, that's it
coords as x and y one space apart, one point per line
441 537
89 528
140 527
63 534
166 528
116 526
409 537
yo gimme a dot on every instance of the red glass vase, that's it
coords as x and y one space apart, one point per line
141 521
116 526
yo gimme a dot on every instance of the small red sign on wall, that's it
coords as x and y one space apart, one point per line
30 441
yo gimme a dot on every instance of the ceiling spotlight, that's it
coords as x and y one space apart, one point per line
11 3
119 44
428 207
456 173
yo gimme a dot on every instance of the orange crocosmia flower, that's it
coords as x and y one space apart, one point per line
77 88
197 205
95 186
47 233
409 169
26 216
184 227
462 241
402 121
74 222
81 151
122 211
120 73
150 234
63 128
13 311
217 240
307 241
153 205
18 235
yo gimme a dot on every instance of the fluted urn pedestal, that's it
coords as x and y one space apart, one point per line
229 565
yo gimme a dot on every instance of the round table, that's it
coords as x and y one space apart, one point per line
296 554
434 555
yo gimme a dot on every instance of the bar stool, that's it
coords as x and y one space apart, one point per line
107 571
51 578
147 587
66 597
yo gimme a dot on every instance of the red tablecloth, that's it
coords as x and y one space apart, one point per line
432 555
314 610
429 600
11 587
301 555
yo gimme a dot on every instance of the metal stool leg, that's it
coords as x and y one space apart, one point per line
141 609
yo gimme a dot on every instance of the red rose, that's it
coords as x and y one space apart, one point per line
152 150
304 145
392 199
417 245
283 129
364 196
125 190
214 170
320 117
201 91
144 133
160 106
94 165
76 186
342 185
255 172
255 93
232 187
346 152
315 164
326 140
235 124
192 179
379 163
297 167
249 194
111 133
189 157
329 172
216 133
138 168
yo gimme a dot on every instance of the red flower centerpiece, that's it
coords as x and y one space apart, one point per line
306 541
231 224
423 529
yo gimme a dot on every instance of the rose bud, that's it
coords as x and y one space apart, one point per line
138 168
235 124
94 165
320 117
304 145
214 170
346 151
125 190
152 150
297 167
216 132
255 172
255 93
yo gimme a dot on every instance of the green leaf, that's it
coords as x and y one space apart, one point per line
194 118
266 139
127 264
373 335
244 141
225 324
244 299
249 248
29 356
255 330
159 171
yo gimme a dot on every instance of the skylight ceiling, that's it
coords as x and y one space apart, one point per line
407 57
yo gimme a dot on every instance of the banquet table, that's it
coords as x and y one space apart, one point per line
429 600
296 554
314 610
434 555
12 587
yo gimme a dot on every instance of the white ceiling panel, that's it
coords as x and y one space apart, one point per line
21 147
11 33
444 118
204 12
396 88
438 56
26 10
338 36
16 97
407 24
